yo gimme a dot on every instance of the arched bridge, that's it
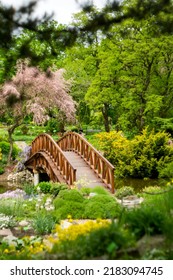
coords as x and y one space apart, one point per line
72 158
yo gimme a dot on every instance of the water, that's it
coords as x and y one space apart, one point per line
139 184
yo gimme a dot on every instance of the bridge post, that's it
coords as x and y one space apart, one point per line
36 177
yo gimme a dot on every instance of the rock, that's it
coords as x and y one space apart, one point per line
10 239
23 223
65 224
130 201
23 176
148 243
5 232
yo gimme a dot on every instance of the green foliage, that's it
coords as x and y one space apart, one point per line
124 191
53 125
44 187
57 187
167 171
2 170
24 129
69 202
143 156
101 206
145 220
5 147
85 190
66 208
72 202
71 195
43 222
28 188
105 241
100 190
10 207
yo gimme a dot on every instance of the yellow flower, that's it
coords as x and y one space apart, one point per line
6 251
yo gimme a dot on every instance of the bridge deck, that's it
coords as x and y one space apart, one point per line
83 171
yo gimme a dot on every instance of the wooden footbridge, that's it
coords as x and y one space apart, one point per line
72 158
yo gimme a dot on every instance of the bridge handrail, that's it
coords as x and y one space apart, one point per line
44 142
72 141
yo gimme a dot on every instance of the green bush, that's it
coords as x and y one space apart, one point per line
167 171
45 187
143 156
2 170
72 202
5 148
145 220
101 206
57 187
124 191
100 190
65 208
85 190
71 195
69 202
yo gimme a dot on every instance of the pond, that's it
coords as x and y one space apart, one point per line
139 184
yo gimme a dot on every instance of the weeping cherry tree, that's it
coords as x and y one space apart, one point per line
32 91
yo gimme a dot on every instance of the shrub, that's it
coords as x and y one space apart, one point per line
100 190
69 202
124 191
145 220
2 170
97 190
57 187
101 206
71 195
65 208
5 148
44 187
85 190
166 171
143 156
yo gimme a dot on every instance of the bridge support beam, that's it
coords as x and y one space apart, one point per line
36 177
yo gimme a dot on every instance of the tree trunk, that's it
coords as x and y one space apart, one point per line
105 112
11 130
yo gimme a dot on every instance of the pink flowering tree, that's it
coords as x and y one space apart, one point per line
32 91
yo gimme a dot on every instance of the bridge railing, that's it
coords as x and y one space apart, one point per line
45 143
72 141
